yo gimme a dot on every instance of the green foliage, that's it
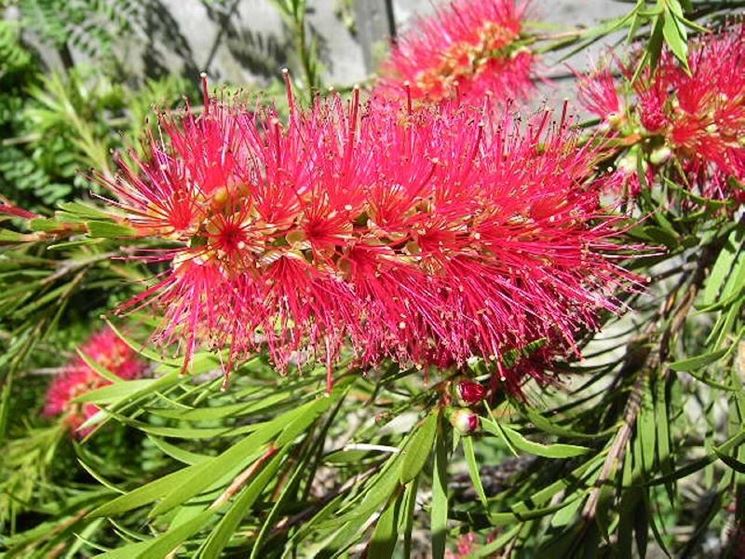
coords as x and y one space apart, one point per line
92 26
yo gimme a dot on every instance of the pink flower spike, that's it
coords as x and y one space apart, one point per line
426 236
468 50
695 119
109 351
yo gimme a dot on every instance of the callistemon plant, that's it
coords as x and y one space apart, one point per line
428 306
688 119
469 49
106 350
427 237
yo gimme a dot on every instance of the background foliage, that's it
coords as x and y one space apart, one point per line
639 451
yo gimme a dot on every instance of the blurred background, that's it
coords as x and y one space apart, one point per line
239 41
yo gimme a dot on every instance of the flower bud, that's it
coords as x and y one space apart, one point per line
660 155
468 392
464 420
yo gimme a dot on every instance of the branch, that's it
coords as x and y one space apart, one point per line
652 361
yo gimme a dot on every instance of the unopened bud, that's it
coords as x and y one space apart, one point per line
615 120
660 155
468 392
464 420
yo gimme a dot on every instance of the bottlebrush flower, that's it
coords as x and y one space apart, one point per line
696 119
426 237
467 49
107 350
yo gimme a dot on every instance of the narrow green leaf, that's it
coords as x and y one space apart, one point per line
203 475
646 431
673 38
82 210
722 268
491 548
44 224
439 513
407 520
116 392
142 495
174 537
109 230
124 552
177 453
548 451
694 363
730 461
418 448
7 236
473 469
220 536
384 537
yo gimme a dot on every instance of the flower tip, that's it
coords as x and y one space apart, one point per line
464 421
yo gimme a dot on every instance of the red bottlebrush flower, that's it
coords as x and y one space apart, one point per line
427 237
467 49
465 546
464 420
104 348
697 118
469 392
598 93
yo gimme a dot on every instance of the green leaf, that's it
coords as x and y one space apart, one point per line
656 234
722 268
416 452
646 431
177 453
694 363
383 541
109 230
220 536
222 412
142 495
124 552
203 475
730 461
439 513
44 224
175 536
407 520
83 211
674 38
521 443
473 469
116 392
7 236
491 548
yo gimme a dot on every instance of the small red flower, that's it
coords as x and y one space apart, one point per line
469 392
467 49
696 118
107 350
426 236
